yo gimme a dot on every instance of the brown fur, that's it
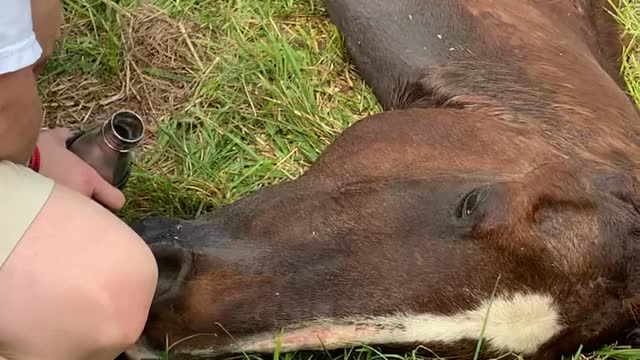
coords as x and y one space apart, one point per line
527 108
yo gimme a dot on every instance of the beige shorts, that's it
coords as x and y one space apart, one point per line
23 193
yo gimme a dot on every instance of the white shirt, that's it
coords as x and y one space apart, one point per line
18 45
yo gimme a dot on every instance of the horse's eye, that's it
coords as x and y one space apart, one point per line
470 202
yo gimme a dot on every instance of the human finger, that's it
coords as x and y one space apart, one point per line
60 133
107 194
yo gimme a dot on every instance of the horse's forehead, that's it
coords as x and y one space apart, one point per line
421 143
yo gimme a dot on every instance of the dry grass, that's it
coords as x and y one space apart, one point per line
154 76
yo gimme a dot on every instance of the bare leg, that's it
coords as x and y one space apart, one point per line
78 285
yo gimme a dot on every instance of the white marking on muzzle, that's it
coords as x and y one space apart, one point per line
520 323
140 351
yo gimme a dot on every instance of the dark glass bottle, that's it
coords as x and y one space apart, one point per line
109 147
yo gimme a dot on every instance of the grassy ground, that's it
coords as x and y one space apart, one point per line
237 94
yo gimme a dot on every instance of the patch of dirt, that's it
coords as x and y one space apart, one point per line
160 67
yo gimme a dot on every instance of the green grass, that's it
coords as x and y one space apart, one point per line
272 92
628 14
238 95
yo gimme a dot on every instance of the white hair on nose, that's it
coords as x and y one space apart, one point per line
517 323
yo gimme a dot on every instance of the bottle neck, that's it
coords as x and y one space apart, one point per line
123 132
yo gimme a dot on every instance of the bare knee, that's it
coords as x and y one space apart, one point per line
80 279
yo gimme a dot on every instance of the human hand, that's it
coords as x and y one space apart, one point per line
66 168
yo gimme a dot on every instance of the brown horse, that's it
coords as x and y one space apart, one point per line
497 188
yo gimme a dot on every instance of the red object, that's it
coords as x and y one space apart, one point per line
34 162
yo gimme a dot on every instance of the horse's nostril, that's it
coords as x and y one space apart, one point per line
174 264
633 338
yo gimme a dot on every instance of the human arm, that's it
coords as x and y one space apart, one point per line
26 43
21 50
20 115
